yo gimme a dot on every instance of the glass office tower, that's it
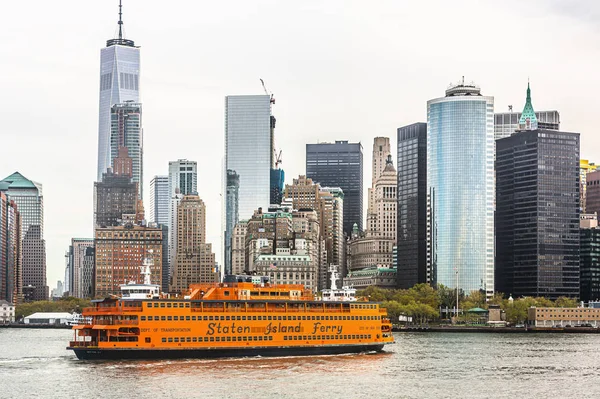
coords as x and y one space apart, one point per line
411 248
537 214
340 164
249 149
119 82
159 200
460 180
126 131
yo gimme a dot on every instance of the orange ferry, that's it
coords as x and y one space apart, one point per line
239 318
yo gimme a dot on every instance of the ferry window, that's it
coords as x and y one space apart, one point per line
218 339
188 339
180 304
243 317
270 337
164 339
206 318
210 318
169 305
228 339
295 338
169 318
279 317
326 317
212 339
143 318
149 305
222 317
226 317
233 339
194 339
205 339
170 339
225 293
244 338
269 317
162 305
176 339
255 338
285 337
187 304
188 318
163 318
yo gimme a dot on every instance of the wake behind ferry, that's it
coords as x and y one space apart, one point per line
244 316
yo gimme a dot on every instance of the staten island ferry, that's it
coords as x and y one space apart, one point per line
244 316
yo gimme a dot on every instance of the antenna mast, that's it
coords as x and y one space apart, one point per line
120 21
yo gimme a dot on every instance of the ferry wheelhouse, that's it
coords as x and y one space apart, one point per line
235 318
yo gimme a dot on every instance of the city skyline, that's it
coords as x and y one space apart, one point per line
175 86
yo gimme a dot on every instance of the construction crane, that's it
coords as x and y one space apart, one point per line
277 158
267 92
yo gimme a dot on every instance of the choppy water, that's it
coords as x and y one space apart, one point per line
34 363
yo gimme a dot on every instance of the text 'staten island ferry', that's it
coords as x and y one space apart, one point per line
239 318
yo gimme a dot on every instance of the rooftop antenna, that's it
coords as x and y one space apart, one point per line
120 21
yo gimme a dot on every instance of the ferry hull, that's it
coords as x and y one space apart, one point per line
117 354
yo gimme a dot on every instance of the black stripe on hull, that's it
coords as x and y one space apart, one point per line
117 354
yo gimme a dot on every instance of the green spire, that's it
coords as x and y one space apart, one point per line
528 119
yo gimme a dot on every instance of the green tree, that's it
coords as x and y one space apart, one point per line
394 309
565 302
425 294
69 305
376 294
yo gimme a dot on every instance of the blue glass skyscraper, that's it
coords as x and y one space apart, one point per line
460 180
249 149
119 82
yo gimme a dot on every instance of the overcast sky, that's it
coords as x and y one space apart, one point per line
339 70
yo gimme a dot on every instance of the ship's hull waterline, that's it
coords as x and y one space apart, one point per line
119 354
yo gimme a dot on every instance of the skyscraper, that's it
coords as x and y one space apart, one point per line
126 132
183 176
119 252
381 151
159 200
328 202
370 252
585 167
114 196
28 196
537 210
82 267
231 214
11 281
339 164
460 180
194 259
412 206
506 123
589 236
183 180
537 214
119 82
249 149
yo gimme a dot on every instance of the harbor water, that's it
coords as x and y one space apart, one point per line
34 363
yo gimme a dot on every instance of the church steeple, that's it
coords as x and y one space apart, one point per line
528 120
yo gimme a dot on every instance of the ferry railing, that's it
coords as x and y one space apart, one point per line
116 322
83 344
